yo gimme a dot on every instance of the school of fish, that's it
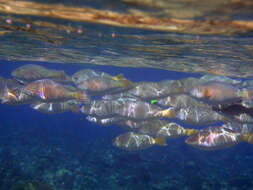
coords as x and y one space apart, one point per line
151 113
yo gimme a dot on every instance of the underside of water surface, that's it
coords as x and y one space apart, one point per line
146 41
204 38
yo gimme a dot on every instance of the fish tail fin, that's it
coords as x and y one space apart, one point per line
244 94
169 113
248 137
189 132
81 96
8 95
160 141
118 77
124 83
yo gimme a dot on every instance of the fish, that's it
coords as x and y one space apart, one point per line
127 108
162 128
147 91
123 82
100 83
104 121
50 91
215 92
237 113
237 127
181 101
133 141
219 78
56 107
32 72
214 138
199 116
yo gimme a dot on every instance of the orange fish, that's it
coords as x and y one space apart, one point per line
217 92
49 91
97 83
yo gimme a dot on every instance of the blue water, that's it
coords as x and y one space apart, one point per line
68 152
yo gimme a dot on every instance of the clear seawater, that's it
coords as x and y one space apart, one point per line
70 153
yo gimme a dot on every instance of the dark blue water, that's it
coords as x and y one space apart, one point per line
68 152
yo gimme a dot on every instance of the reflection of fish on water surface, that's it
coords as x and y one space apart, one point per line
31 72
136 48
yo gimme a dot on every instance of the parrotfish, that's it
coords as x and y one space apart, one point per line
30 72
49 91
126 108
151 90
133 141
215 92
56 107
162 128
213 138
104 121
237 113
199 116
191 111
99 83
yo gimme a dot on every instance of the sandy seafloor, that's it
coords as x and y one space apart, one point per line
69 153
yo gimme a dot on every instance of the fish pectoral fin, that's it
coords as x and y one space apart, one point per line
244 94
248 137
207 93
